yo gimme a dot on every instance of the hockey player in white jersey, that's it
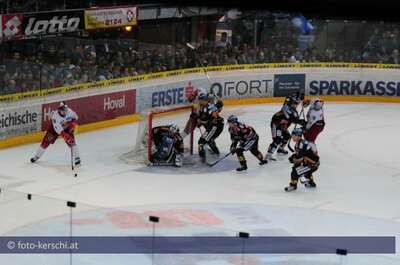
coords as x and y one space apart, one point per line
63 123
315 119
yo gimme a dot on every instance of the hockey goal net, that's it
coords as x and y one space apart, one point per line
144 146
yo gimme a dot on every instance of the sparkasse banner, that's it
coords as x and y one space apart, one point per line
96 108
353 84
20 121
98 18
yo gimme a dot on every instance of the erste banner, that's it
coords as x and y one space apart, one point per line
110 17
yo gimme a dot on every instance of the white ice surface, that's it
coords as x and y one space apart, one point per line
359 178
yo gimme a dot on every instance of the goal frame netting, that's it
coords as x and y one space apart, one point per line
150 117
143 149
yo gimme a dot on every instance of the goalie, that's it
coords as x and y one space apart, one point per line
168 146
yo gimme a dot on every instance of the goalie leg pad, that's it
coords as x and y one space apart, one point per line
179 160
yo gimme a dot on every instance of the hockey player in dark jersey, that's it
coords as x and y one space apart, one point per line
280 123
209 118
214 99
305 162
168 145
247 138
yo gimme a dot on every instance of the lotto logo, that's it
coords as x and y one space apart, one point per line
12 25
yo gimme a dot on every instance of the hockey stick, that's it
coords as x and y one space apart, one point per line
201 63
72 164
219 160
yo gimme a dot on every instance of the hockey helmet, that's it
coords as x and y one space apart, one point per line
292 99
62 108
62 105
203 96
317 104
297 132
233 119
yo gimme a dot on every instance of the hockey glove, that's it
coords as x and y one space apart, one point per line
68 138
233 150
71 127
302 122
306 103
295 159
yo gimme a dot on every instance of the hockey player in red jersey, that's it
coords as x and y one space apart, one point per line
315 119
247 138
305 162
63 123
200 96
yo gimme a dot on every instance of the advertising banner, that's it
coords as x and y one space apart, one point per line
96 108
11 26
353 84
20 121
47 23
110 17
31 25
168 94
288 84
243 86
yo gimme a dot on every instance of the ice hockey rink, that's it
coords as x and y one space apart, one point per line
357 194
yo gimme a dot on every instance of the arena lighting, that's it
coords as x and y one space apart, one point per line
128 28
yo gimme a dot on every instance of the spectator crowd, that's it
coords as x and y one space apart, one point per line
58 62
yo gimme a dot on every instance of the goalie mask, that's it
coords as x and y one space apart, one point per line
174 128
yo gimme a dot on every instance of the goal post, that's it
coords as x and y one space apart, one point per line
152 123
144 146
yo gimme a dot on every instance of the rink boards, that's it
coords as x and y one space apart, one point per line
24 116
